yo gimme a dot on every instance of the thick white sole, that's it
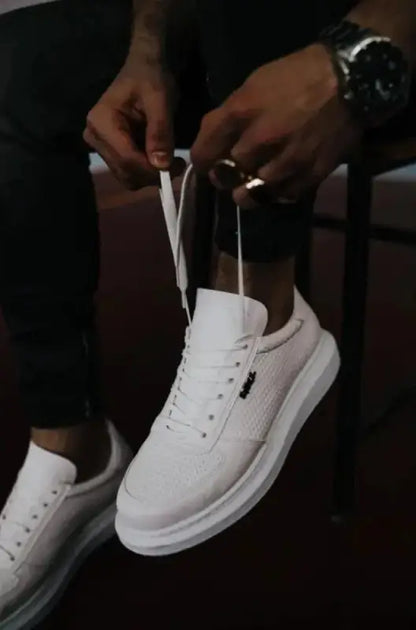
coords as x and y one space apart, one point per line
46 596
307 391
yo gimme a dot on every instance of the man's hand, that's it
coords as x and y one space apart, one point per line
285 124
131 125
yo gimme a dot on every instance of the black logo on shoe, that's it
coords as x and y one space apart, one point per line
248 385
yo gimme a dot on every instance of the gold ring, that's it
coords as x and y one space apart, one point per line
228 174
258 190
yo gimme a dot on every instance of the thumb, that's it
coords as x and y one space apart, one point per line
159 129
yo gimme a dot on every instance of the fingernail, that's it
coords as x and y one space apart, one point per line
160 159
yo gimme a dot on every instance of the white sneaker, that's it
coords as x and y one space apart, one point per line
48 526
238 402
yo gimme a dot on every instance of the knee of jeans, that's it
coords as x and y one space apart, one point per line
31 120
20 148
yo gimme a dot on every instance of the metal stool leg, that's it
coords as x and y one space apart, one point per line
352 338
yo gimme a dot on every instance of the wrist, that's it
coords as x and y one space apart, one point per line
147 75
145 50
373 74
148 36
324 79
330 83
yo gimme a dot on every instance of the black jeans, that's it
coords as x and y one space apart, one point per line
55 62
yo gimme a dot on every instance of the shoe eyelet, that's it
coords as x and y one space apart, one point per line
12 558
238 364
231 380
220 396
27 530
35 516
45 505
54 491
18 544
203 435
211 416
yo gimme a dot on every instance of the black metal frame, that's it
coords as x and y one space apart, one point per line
358 235
349 412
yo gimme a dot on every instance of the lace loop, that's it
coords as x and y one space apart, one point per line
175 219
201 372
20 510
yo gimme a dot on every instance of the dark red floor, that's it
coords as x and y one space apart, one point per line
284 566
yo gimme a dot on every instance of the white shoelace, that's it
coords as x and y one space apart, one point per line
203 379
20 516
174 219
203 376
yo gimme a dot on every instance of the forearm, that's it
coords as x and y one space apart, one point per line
151 20
393 18
149 28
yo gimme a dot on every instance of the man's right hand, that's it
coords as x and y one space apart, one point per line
131 126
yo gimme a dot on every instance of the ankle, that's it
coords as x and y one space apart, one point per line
87 445
272 284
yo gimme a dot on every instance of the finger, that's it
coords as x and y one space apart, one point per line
218 133
131 177
293 173
249 199
256 147
285 194
128 172
226 177
108 157
274 173
110 135
159 139
259 192
283 166
138 180
299 185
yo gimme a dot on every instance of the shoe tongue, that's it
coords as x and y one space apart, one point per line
43 468
218 319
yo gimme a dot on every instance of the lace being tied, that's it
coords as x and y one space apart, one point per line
204 377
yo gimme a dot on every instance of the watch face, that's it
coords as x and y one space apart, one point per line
378 79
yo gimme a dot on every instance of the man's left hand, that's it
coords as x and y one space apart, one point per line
286 125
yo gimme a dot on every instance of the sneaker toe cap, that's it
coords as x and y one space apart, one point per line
161 489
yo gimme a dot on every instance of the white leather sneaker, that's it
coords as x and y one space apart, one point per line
48 526
237 404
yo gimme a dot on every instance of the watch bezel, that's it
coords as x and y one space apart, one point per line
351 52
346 43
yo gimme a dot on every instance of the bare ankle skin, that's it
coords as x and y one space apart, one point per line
272 284
86 444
